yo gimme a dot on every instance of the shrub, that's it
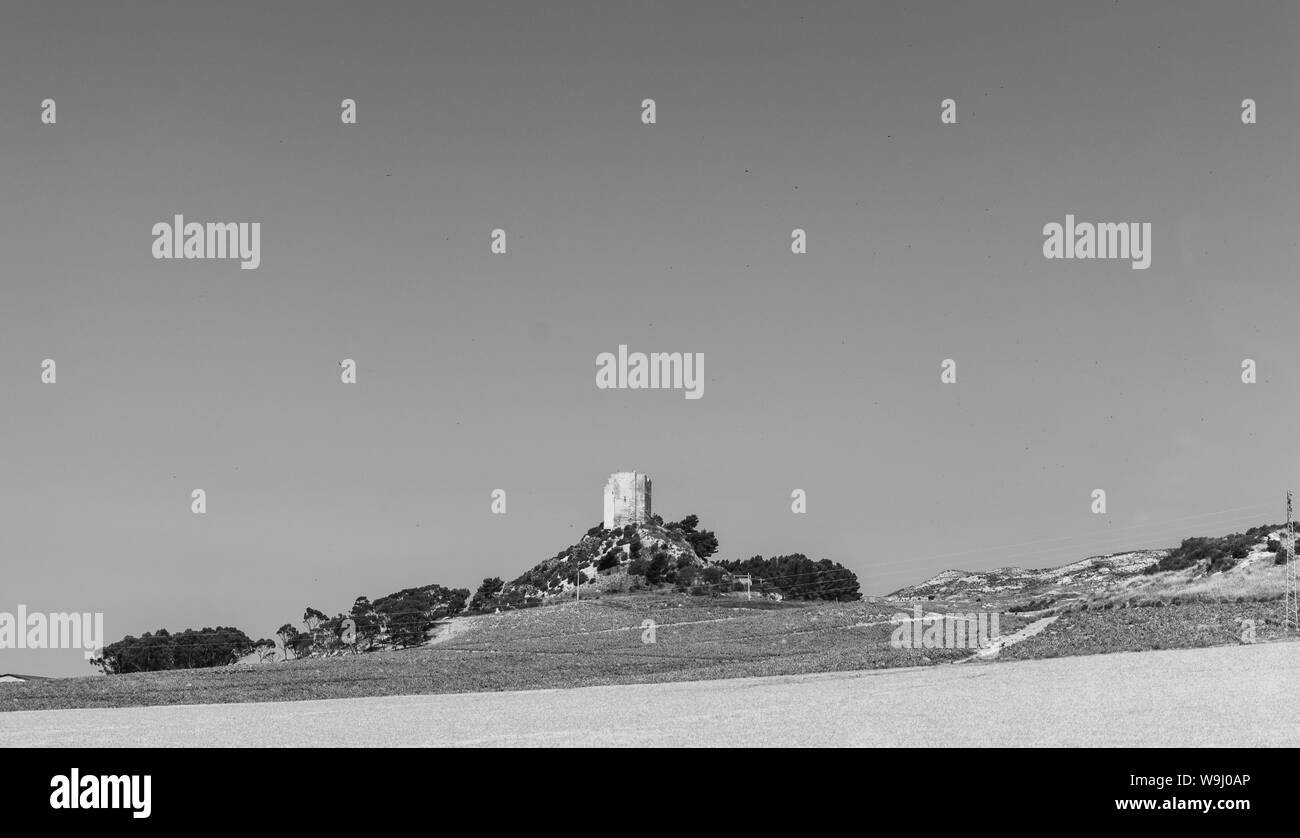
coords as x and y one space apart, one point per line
657 570
162 650
486 593
798 577
1215 553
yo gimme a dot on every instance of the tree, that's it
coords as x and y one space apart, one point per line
687 524
704 543
366 623
407 615
289 637
687 576
486 592
162 650
797 577
265 649
407 629
328 636
148 653
209 647
657 571
311 618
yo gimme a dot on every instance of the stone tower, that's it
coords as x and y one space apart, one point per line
627 499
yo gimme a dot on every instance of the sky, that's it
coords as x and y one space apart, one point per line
476 371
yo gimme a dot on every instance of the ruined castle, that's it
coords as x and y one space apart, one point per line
627 499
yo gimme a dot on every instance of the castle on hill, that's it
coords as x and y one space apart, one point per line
627 499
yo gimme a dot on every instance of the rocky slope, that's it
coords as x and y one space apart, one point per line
1199 566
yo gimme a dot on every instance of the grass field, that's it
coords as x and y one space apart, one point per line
567 645
601 642
1138 629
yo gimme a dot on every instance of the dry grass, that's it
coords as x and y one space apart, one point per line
1256 582
561 646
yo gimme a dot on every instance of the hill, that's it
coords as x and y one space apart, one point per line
1011 585
611 552
1238 567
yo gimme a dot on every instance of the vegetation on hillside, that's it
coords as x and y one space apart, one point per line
400 620
798 577
651 556
656 554
190 649
1214 554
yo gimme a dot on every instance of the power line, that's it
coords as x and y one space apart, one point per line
1290 603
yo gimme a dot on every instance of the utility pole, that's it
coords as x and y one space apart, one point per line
1290 602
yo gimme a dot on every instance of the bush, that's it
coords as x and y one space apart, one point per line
798 577
616 583
408 614
162 650
657 571
1215 554
485 596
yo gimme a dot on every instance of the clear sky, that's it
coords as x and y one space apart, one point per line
477 371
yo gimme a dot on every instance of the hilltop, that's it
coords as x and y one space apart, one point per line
654 555
653 550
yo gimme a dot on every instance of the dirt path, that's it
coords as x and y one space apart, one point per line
992 650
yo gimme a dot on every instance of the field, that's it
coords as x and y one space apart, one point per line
600 642
1183 626
1179 697
568 645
